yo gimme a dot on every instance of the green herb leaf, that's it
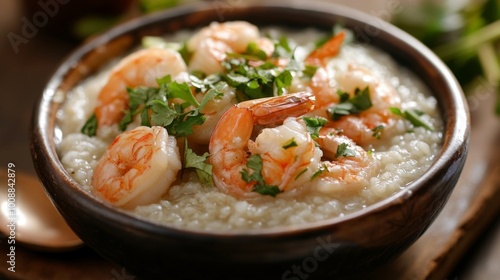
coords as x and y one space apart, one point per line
290 143
90 126
266 190
314 125
344 151
359 102
377 131
202 168
414 117
320 170
255 164
309 71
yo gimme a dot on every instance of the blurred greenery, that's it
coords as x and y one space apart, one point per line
467 39
94 24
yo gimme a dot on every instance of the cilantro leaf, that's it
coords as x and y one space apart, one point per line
290 143
182 91
414 117
266 190
377 131
359 102
90 126
202 168
320 170
344 151
314 125
255 164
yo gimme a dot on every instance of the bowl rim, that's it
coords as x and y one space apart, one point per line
455 142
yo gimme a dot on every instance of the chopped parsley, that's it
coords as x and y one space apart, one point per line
203 169
255 164
314 125
359 102
344 151
320 170
290 143
377 131
90 126
414 116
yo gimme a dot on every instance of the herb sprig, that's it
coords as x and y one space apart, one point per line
253 173
348 105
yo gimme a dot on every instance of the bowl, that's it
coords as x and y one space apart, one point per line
343 247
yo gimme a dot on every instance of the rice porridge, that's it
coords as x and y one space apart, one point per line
319 131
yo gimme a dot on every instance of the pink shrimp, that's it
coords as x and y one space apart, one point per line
230 145
346 167
138 167
141 68
375 122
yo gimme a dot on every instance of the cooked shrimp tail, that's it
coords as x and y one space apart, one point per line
326 51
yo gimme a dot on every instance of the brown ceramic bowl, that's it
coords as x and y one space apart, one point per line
347 247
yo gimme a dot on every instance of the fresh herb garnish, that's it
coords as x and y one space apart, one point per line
414 117
202 168
377 131
155 106
290 143
264 80
255 164
320 170
344 151
314 125
90 126
359 102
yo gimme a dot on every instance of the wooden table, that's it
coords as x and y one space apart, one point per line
463 243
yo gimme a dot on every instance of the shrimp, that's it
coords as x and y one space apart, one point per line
322 83
230 145
328 50
344 172
211 44
362 127
141 68
138 167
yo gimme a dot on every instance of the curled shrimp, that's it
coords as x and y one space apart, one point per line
230 145
141 68
322 83
211 44
362 127
138 167
346 169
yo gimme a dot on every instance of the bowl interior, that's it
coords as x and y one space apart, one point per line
406 50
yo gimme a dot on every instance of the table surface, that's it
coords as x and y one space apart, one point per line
22 78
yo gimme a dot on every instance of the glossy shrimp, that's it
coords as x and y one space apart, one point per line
138 167
211 44
346 167
230 145
322 83
376 122
141 68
